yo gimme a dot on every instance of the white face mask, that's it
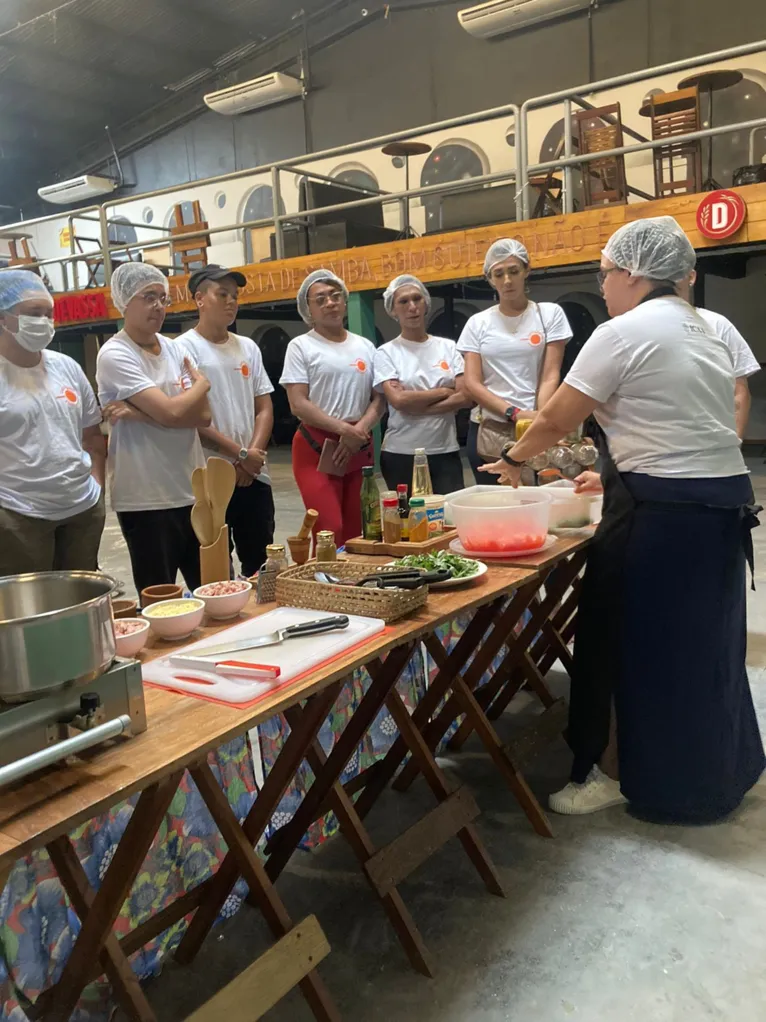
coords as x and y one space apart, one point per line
35 332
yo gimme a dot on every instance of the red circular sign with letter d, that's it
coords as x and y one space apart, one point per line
721 214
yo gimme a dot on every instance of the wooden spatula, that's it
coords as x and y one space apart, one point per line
202 522
221 480
199 487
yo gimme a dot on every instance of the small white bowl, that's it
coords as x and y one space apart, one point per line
221 608
131 644
178 626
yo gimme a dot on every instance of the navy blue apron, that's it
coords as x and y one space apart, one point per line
661 633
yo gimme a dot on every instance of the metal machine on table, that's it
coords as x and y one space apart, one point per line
62 690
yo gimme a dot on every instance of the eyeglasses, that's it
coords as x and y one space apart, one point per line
509 272
152 298
603 274
336 297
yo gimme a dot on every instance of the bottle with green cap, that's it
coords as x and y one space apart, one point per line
418 523
370 497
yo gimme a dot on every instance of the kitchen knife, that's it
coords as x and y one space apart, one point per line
324 624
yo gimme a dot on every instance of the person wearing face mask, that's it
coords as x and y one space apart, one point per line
154 399
328 378
661 626
421 378
513 354
240 404
52 452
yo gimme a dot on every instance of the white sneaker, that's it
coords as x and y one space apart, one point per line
598 792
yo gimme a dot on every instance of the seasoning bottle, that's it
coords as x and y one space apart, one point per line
275 564
276 559
404 511
418 520
421 475
392 523
326 550
370 498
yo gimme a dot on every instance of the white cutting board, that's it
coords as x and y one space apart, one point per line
293 657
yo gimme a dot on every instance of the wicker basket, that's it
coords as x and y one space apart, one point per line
296 588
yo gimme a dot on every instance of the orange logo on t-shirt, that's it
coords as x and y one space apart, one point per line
244 368
444 365
535 339
69 395
360 364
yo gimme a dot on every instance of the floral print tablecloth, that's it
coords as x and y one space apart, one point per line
38 926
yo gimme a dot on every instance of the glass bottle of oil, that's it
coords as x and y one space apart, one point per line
370 497
421 475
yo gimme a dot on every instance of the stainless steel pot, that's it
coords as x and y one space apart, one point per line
55 631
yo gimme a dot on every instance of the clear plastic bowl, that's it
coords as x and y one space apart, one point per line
501 520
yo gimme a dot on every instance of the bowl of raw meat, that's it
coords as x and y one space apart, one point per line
224 600
130 635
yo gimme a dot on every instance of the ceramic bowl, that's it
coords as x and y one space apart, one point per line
130 645
221 608
178 625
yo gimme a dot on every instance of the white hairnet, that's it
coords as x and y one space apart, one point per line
131 278
654 247
503 249
315 278
403 281
20 286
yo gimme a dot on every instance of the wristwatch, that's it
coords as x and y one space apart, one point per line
508 459
511 412
243 452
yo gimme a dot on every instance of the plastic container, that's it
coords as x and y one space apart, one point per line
570 510
418 521
392 523
435 514
504 519
522 491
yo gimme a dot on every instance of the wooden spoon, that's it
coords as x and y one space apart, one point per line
221 480
308 523
202 523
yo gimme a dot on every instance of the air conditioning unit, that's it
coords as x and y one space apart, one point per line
499 17
84 187
258 92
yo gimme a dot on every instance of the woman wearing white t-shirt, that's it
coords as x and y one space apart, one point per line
328 379
661 628
51 449
154 398
513 351
422 379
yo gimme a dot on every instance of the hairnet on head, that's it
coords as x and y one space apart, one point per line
406 279
656 248
21 286
131 278
315 278
503 249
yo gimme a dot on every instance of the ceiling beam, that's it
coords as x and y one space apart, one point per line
94 67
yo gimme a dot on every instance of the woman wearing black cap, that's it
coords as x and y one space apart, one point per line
241 408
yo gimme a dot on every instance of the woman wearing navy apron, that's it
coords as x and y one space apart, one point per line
513 353
661 633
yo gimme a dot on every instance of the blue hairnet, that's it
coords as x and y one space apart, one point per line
20 286
325 276
403 281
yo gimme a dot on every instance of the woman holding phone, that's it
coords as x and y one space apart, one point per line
328 379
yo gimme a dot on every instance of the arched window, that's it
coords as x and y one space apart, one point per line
454 160
259 205
357 175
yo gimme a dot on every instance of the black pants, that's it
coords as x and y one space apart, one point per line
446 470
482 478
160 544
250 518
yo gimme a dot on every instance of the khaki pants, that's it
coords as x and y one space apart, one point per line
35 544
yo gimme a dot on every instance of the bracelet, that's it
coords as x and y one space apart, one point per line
505 456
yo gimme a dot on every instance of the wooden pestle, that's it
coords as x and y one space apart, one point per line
308 523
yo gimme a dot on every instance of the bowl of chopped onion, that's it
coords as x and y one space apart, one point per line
174 619
224 600
130 635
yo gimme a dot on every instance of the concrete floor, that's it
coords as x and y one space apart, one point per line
613 921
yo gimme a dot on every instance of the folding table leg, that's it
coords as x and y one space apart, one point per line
110 897
271 905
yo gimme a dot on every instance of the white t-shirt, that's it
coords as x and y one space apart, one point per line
419 365
44 471
150 466
512 350
745 362
665 386
237 377
338 374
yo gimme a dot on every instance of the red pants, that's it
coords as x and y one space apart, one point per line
336 498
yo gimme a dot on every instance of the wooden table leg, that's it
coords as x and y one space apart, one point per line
277 782
271 905
110 897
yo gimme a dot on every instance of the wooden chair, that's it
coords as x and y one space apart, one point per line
25 258
269 978
673 114
603 180
191 250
